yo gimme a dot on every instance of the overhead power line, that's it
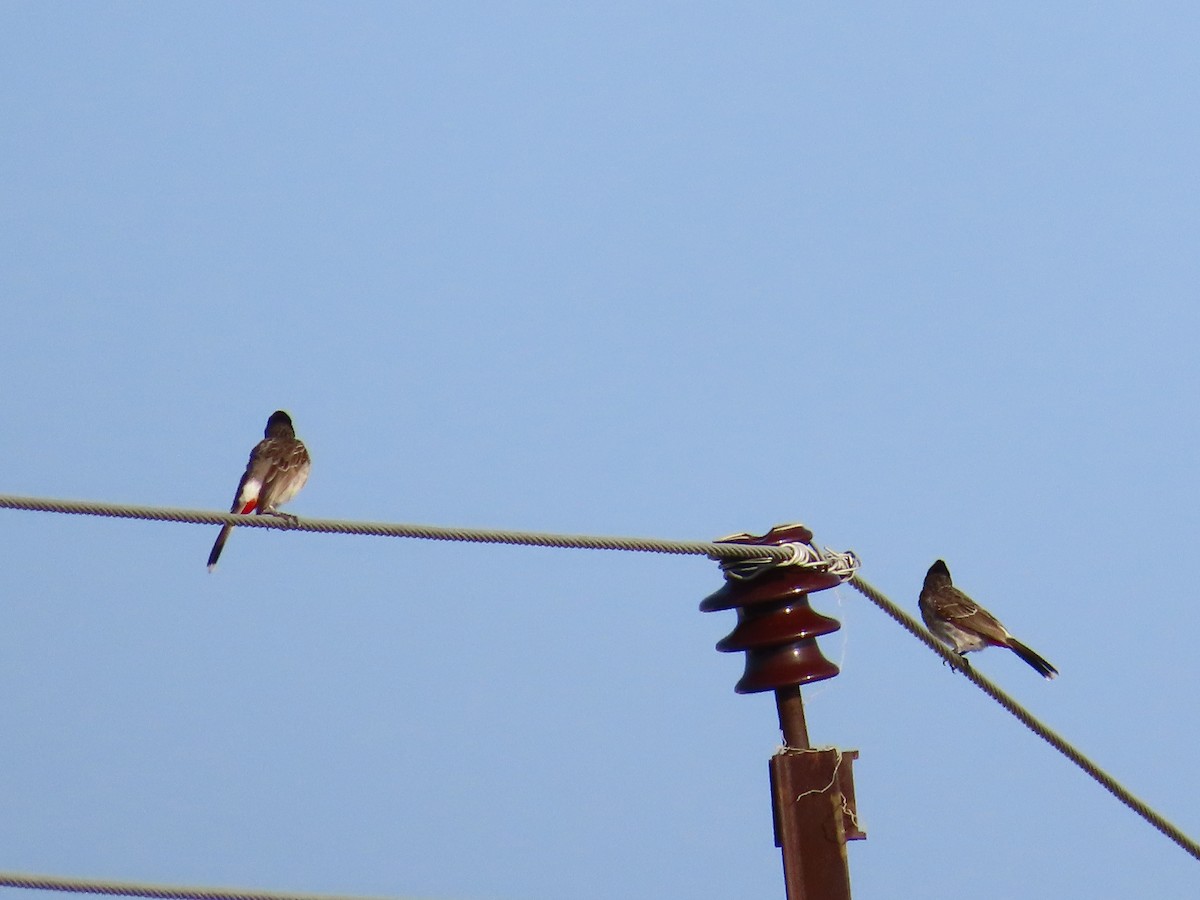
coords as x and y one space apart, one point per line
159 891
843 564
382 529
1022 715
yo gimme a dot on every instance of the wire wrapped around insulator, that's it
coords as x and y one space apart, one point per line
776 627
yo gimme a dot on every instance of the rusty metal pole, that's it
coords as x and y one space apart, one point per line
812 792
807 805
791 717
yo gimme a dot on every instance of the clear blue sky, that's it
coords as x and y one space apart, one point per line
921 276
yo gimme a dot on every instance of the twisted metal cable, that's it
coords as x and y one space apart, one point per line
710 549
159 891
1023 716
382 529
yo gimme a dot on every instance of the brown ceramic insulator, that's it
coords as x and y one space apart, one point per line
780 644
780 534
776 627
777 585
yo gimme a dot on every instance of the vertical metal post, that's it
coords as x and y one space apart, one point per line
806 801
791 717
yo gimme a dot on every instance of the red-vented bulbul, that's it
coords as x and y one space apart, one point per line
964 625
278 467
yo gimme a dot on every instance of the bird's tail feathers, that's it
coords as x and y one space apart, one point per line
1043 668
218 546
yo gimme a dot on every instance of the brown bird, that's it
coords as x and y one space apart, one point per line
278 467
964 625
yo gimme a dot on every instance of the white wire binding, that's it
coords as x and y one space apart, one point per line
808 556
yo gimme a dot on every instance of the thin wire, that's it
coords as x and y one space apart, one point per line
381 529
160 891
1025 718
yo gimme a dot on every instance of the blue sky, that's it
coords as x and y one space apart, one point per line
921 277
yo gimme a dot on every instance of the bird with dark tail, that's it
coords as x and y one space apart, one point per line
278 467
964 625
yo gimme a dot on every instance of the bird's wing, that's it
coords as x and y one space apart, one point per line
258 469
965 613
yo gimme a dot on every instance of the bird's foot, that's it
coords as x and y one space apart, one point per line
958 665
287 517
